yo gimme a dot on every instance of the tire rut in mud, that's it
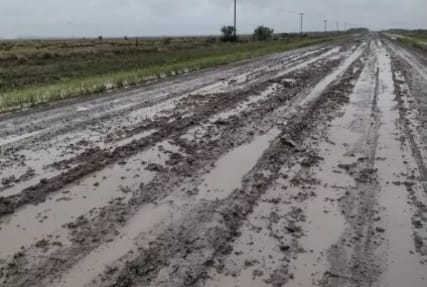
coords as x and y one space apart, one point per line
192 248
96 158
87 235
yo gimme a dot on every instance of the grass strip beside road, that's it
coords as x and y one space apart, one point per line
174 62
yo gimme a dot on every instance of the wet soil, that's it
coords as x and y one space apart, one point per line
305 168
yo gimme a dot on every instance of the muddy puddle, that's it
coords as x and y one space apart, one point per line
138 230
38 162
338 204
282 65
230 169
319 88
152 218
403 263
263 247
31 223
324 222
210 128
245 105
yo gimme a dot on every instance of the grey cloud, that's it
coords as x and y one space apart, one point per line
183 17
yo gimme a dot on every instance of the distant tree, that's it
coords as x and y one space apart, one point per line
100 38
167 41
263 33
228 34
126 38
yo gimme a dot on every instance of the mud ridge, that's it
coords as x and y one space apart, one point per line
232 213
86 235
97 159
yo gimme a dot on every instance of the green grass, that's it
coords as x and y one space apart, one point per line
58 70
415 38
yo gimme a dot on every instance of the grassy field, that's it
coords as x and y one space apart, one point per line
39 71
416 38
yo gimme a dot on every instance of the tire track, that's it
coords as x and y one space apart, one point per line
119 212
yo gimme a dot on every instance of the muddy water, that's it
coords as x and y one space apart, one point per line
257 253
200 131
33 222
230 169
320 87
349 136
64 146
324 221
403 267
292 227
292 62
46 153
246 104
153 218
41 156
139 229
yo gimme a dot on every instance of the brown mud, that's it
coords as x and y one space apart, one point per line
305 168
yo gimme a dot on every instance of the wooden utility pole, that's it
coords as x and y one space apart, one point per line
235 19
326 25
301 23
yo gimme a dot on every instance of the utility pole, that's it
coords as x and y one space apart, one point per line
326 25
301 23
338 27
235 19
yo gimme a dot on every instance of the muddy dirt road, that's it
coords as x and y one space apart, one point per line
306 168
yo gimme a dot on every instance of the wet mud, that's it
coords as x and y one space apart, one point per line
305 168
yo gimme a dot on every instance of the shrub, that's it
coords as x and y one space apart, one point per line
263 33
228 34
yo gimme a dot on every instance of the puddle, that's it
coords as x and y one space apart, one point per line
150 216
245 105
403 267
170 209
257 251
310 266
33 222
140 226
200 131
308 62
329 79
159 109
40 156
17 138
344 135
286 61
230 169
127 140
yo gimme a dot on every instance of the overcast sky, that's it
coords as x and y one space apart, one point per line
66 18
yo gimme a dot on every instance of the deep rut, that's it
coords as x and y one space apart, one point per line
299 169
